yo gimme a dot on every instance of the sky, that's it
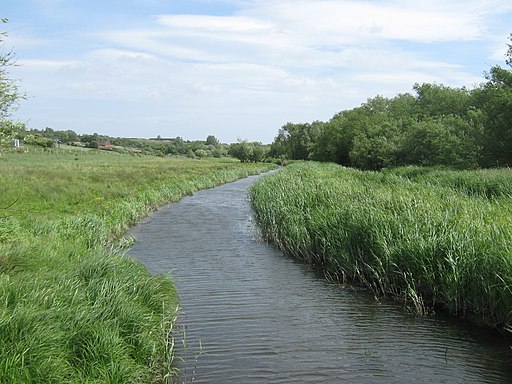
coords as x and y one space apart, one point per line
237 69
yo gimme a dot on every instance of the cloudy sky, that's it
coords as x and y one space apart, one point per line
237 68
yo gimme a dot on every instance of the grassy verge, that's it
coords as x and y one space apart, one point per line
72 308
436 239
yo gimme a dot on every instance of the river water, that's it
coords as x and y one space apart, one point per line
254 315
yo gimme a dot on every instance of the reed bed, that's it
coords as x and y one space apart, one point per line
411 234
489 183
73 309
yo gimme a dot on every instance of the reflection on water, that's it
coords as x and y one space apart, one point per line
263 318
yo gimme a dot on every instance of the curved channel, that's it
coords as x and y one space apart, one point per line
261 317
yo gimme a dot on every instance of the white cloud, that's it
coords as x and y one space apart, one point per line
355 21
22 40
235 24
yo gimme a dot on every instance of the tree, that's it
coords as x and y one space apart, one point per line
375 147
9 92
258 152
90 141
240 150
247 152
201 153
39 140
296 141
494 98
447 140
212 140
438 100
10 131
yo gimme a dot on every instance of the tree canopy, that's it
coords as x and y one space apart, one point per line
9 92
435 125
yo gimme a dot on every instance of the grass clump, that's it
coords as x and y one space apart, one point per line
72 308
424 238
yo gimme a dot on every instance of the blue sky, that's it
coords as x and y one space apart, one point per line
237 68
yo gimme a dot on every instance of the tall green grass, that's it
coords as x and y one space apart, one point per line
73 309
422 238
484 182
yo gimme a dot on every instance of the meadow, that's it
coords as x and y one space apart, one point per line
73 308
434 238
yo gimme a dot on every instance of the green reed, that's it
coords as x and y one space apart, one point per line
73 309
429 242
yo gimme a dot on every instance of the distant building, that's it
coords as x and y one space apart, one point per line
105 145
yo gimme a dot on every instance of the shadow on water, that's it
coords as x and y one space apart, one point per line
262 317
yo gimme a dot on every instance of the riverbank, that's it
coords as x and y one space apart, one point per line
72 308
434 239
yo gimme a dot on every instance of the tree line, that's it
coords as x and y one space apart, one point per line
437 125
50 138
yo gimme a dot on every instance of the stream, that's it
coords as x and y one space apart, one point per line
253 315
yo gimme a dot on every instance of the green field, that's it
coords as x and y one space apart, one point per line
72 308
434 238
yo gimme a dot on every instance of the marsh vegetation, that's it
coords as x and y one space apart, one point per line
72 308
436 239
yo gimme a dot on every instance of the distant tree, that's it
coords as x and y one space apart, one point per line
296 141
212 140
180 147
248 152
258 152
9 92
438 100
10 131
447 140
375 147
219 151
39 140
90 141
240 150
201 153
494 99
190 153
336 138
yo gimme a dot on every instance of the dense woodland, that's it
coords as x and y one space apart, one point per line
438 125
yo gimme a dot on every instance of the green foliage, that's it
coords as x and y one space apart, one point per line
10 131
38 140
9 94
402 130
9 91
296 141
447 140
439 125
201 153
435 100
431 237
72 308
155 147
212 140
494 99
248 152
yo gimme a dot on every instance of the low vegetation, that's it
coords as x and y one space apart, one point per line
437 239
72 308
